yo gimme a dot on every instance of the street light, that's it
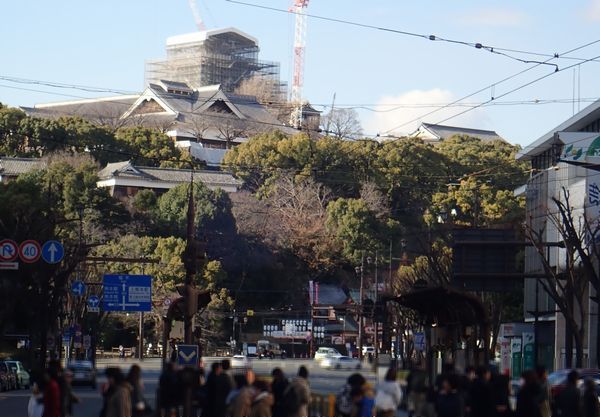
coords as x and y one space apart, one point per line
343 320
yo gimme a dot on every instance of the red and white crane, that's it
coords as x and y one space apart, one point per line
299 8
197 16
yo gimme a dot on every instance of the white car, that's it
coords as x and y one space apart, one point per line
325 352
340 362
240 361
368 350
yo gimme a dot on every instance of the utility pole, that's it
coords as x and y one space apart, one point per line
360 311
190 265
375 321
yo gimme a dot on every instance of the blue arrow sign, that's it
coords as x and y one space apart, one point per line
78 288
93 301
187 355
53 252
127 293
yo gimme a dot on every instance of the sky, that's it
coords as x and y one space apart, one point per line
392 80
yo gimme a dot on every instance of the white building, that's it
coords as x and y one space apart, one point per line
558 162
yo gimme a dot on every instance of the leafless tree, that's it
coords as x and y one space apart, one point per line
198 124
567 282
376 201
267 90
299 207
342 124
229 127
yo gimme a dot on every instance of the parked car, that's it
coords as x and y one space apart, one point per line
84 373
325 352
10 376
23 377
558 380
340 362
4 383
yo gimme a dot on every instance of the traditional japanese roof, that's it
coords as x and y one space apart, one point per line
127 174
168 105
331 295
441 132
100 110
13 167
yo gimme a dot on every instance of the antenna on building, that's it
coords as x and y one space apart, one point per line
299 8
197 17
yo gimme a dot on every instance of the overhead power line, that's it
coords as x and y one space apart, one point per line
488 87
506 52
517 89
373 107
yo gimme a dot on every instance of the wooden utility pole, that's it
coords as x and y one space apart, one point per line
190 266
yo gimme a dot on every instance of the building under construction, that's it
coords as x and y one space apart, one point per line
217 56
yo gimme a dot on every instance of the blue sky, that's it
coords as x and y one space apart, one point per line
105 43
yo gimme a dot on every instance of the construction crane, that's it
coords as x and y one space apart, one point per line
299 8
197 17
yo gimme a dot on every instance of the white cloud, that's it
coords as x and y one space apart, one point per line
592 13
398 112
494 17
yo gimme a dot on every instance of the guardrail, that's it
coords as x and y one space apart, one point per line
321 405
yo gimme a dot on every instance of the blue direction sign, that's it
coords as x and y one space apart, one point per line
78 288
127 293
93 303
187 355
53 252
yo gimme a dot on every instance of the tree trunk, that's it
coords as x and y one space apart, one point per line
578 339
568 344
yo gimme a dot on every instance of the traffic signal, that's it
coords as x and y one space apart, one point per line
195 299
193 256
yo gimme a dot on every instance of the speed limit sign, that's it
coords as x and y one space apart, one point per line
30 251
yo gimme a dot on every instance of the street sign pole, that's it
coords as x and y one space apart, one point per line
141 337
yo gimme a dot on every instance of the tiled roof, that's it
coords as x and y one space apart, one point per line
98 110
445 132
172 175
16 166
331 295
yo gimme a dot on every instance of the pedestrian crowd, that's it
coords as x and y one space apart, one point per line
477 392
52 395
123 396
482 392
221 393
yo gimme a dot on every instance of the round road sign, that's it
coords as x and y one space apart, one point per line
30 251
8 250
167 302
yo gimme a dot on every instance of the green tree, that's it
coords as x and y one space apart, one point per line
212 210
59 203
11 140
150 147
492 161
409 171
355 227
478 204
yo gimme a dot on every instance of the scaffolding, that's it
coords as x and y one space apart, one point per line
222 56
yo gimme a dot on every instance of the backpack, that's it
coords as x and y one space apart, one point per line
291 399
343 401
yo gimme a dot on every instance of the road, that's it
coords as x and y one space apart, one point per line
14 403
